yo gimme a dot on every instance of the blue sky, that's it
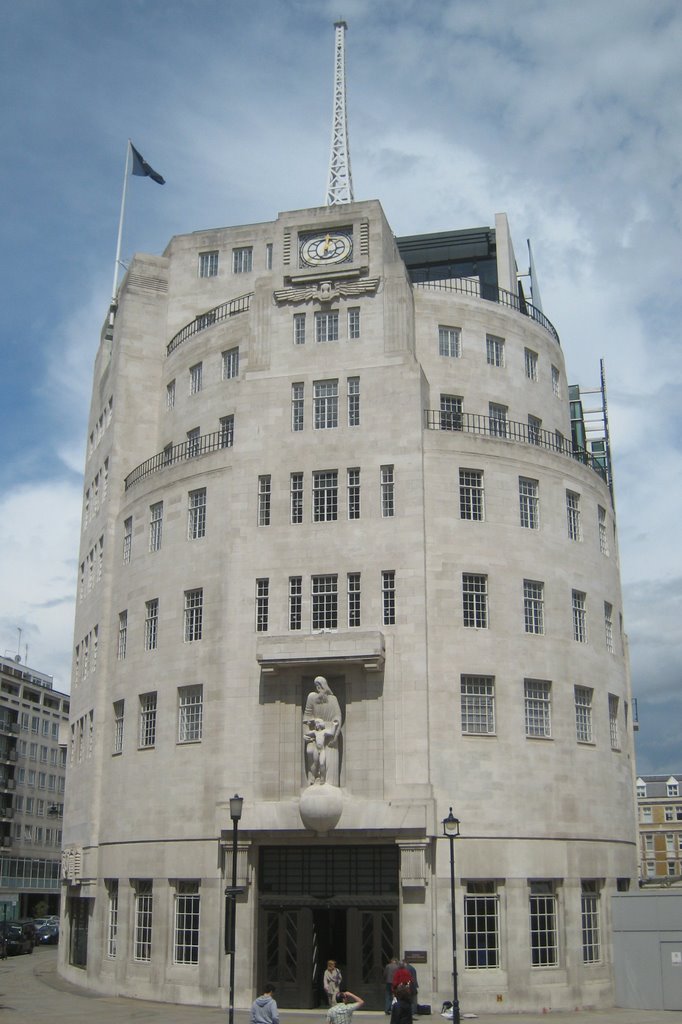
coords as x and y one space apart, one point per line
568 117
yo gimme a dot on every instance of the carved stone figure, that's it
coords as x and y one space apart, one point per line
322 721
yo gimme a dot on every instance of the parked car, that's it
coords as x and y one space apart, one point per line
48 935
17 937
29 924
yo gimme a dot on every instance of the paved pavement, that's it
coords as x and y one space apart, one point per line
31 992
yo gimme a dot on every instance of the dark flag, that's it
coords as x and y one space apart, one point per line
143 169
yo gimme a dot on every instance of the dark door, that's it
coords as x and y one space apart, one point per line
375 941
286 955
78 946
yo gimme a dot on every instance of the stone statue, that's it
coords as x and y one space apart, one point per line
322 721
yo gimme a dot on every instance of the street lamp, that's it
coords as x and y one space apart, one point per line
451 831
231 893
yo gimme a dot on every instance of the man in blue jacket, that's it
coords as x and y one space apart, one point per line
264 1009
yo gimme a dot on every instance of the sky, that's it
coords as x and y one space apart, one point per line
565 115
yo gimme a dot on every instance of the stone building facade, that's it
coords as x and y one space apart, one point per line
316 450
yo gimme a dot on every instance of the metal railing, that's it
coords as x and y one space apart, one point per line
241 304
193 448
511 430
472 287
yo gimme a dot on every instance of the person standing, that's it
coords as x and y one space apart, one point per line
401 1011
389 971
332 981
415 987
264 1008
346 1004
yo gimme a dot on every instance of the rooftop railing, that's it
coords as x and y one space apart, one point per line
212 316
193 448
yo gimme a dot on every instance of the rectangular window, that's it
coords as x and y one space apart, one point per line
603 536
268 255
147 719
299 328
262 604
589 915
608 626
186 923
327 326
226 430
534 430
196 373
170 395
295 602
529 503
583 714
556 390
538 708
264 494
387 484
112 917
296 497
242 260
208 264
475 600
127 539
494 350
534 606
353 323
193 442
353 583
471 494
231 363
353 488
297 406
194 615
190 713
573 516
498 419
579 616
449 342
325 495
531 363
324 602
142 933
196 514
481 926
353 401
450 412
119 706
151 624
614 732
388 597
155 526
544 936
122 635
326 404
477 698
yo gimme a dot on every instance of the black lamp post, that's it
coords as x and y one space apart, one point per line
451 831
231 892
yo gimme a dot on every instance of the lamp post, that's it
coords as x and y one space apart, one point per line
236 803
451 831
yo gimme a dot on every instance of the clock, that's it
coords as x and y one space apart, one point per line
319 250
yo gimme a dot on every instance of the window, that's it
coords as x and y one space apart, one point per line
537 697
556 390
155 526
295 602
264 485
231 363
672 788
226 430
119 706
151 624
262 604
242 260
190 713
142 933
193 442
450 412
353 584
353 323
196 514
112 917
387 485
544 939
388 597
481 926
608 626
299 328
583 714
324 602
195 378
268 255
170 395
603 537
147 719
208 264
186 923
529 503
573 515
297 406
477 698
122 635
534 606
127 539
326 404
494 350
498 419
475 600
353 490
353 401
646 811
579 617
450 342
194 615
530 359
471 494
296 497
325 495
534 430
327 326
613 722
589 914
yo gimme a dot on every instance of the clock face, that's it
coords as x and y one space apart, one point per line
318 250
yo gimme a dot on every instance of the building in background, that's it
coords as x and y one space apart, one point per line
659 803
32 773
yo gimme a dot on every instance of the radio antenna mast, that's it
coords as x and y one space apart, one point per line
340 182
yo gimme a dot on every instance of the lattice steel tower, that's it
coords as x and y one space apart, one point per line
340 182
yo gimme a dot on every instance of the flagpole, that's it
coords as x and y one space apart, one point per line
120 227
